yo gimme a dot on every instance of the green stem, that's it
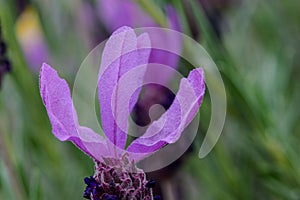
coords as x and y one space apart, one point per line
7 160
154 11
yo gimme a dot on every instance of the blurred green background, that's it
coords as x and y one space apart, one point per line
256 46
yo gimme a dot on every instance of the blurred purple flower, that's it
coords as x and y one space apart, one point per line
117 13
124 51
31 39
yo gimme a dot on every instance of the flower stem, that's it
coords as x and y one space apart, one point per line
16 185
154 11
168 192
151 193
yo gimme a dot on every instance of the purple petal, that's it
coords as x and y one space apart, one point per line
94 144
171 124
120 55
56 97
160 74
169 41
144 51
173 19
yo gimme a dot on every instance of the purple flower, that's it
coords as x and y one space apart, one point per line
116 174
30 36
117 13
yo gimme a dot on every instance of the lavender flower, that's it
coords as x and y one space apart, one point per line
30 36
116 175
117 13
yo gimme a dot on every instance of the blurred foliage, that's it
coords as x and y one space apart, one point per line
257 156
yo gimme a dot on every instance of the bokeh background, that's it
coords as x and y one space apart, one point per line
255 45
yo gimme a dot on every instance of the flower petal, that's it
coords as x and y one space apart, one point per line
121 54
95 145
56 97
168 128
143 46
169 41
57 100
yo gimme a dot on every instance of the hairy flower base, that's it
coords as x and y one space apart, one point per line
118 179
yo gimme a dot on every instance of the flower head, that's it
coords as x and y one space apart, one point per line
116 176
32 41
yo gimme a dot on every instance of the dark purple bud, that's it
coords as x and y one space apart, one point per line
87 193
91 188
88 180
